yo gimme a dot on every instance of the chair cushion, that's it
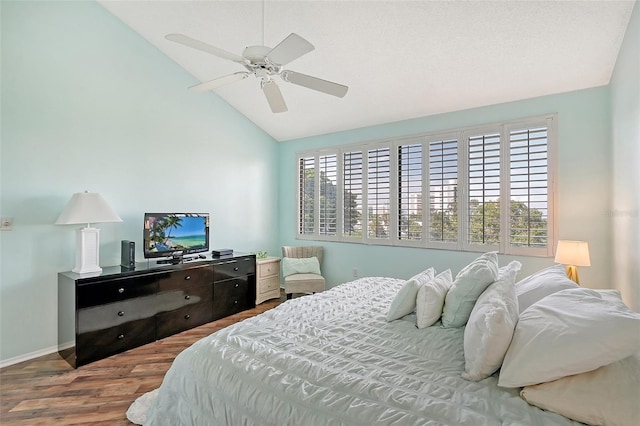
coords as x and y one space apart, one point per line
303 283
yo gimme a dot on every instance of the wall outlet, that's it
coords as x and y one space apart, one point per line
6 224
355 272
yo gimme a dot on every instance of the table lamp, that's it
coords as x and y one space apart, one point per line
573 254
87 207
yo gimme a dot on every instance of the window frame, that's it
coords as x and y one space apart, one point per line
461 135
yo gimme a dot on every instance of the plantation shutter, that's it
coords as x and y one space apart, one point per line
483 200
484 188
378 193
529 187
352 194
327 166
410 217
306 195
443 191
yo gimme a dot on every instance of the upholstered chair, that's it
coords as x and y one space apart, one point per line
303 282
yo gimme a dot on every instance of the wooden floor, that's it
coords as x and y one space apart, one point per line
47 391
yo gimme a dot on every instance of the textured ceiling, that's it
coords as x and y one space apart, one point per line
400 59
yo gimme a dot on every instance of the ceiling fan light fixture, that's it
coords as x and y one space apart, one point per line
264 63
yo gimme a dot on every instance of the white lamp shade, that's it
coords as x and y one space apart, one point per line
87 207
573 253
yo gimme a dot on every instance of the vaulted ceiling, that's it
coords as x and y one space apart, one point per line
400 59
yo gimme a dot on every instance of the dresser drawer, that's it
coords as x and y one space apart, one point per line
234 268
184 318
230 297
192 276
103 343
268 269
269 284
116 290
95 318
189 295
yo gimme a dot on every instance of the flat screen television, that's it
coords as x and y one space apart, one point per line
175 234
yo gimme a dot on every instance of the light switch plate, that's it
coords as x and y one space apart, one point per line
6 224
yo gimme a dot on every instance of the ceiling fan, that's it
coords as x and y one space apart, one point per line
265 63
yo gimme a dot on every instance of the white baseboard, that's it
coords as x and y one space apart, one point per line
32 355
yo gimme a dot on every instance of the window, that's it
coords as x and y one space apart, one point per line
328 195
352 194
483 183
306 202
529 189
443 191
410 220
378 193
474 189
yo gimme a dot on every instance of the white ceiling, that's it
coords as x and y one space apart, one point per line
400 59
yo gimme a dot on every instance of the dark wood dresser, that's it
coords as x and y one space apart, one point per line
119 309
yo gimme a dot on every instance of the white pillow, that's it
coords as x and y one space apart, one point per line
469 284
430 299
568 332
543 283
488 333
405 301
606 396
425 276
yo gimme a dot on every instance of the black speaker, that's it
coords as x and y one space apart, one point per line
128 254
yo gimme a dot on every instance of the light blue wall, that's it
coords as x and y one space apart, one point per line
625 214
87 104
583 199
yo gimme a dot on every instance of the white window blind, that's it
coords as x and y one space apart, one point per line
483 201
529 187
306 195
443 191
378 193
476 189
410 192
352 194
328 214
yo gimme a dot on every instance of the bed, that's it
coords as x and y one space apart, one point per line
333 359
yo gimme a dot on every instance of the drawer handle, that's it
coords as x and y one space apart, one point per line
235 302
187 316
120 336
187 297
120 313
187 278
236 269
121 290
237 285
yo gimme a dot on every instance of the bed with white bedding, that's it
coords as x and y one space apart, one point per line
333 359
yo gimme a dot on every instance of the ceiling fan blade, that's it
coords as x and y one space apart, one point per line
274 96
315 83
200 45
289 49
218 82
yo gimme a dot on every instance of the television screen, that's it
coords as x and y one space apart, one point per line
174 234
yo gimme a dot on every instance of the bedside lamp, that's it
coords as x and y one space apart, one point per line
573 254
87 207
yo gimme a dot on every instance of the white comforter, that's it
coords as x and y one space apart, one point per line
332 359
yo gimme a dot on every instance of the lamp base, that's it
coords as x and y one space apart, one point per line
87 251
572 273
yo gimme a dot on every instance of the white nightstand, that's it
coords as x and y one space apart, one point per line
267 279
